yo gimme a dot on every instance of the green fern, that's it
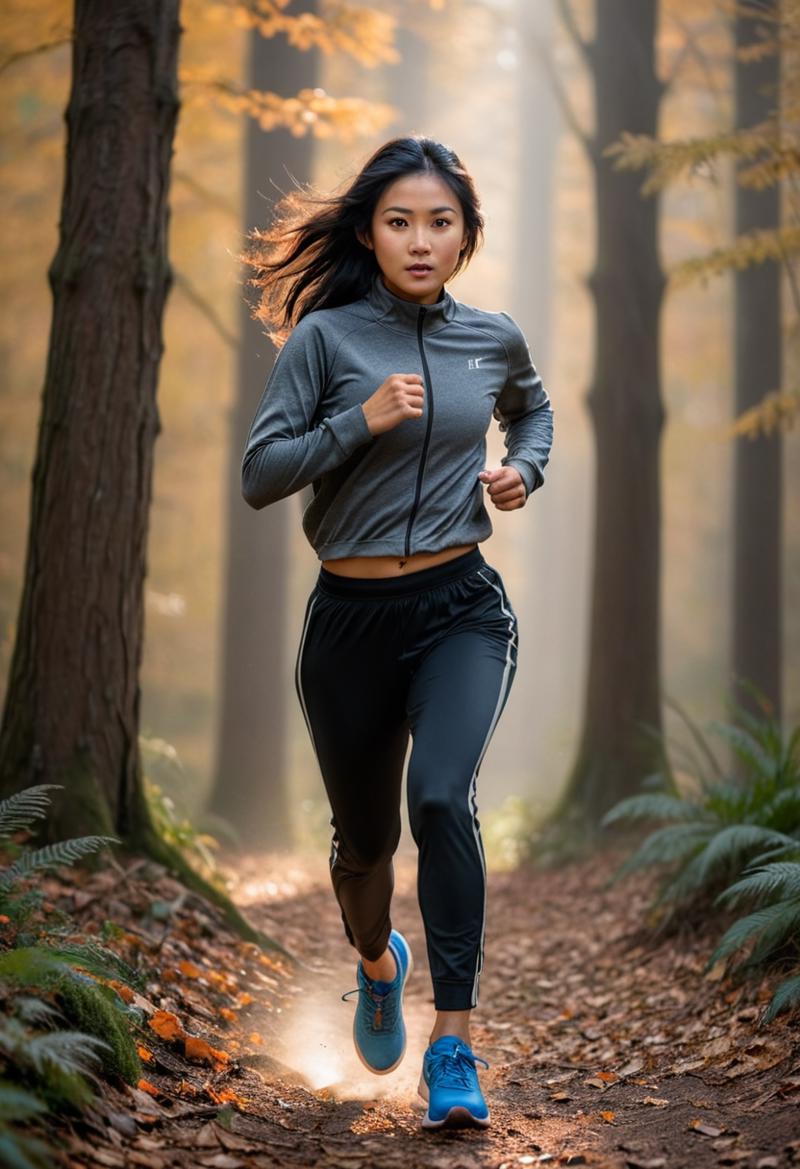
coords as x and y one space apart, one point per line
713 833
63 852
781 878
19 1150
19 810
786 997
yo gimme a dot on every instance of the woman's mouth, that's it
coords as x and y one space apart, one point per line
420 269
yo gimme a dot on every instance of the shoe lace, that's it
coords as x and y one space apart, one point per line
454 1069
381 1008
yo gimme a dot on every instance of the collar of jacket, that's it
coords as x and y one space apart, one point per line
403 315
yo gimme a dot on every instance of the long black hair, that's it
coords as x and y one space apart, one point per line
311 258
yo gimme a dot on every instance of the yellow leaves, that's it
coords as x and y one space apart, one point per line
189 969
311 111
364 33
777 410
752 247
608 1117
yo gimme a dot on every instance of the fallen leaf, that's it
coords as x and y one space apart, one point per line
166 1025
197 1049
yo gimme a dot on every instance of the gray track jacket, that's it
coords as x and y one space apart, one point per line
413 488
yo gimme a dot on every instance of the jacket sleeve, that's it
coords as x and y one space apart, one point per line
524 411
285 450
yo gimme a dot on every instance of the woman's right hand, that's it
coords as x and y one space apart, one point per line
399 397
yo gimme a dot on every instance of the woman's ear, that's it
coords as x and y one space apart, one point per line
363 238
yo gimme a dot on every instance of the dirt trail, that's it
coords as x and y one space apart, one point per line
603 1051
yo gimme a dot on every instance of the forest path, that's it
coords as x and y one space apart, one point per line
605 1049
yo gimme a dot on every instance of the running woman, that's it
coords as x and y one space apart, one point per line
381 396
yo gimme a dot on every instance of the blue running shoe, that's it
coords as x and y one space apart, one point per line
379 1032
450 1085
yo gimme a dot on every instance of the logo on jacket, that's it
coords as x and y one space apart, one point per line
475 362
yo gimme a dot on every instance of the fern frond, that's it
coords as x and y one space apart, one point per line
781 877
674 842
19 810
97 959
18 1104
68 1051
730 845
35 1011
786 996
774 921
63 852
652 806
745 744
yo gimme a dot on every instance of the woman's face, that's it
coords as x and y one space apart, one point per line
417 233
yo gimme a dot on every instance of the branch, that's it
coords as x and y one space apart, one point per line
568 17
44 47
569 114
206 309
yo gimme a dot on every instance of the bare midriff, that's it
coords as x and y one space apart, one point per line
372 566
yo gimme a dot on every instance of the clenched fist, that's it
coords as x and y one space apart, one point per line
506 488
399 397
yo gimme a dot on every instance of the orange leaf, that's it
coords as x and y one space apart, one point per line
146 1086
228 1014
609 1077
608 1117
255 1038
229 1096
243 998
189 969
144 1052
124 992
198 1049
167 1026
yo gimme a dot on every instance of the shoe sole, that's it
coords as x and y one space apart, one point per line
398 1061
457 1117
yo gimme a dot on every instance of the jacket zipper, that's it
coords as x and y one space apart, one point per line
421 467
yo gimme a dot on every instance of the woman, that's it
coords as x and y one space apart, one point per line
381 397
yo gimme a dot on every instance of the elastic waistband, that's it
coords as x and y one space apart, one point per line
400 586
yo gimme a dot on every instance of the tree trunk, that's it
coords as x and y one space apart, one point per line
250 776
757 491
71 715
623 685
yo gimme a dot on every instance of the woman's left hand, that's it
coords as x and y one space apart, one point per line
506 488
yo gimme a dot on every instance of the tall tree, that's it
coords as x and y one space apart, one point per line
250 774
757 461
615 752
71 714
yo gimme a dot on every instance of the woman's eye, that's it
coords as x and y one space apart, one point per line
444 221
396 219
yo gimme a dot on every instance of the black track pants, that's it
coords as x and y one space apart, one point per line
432 654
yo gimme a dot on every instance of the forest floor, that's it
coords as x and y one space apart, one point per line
607 1048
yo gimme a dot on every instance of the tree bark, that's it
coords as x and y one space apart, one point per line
71 714
251 783
623 685
757 463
